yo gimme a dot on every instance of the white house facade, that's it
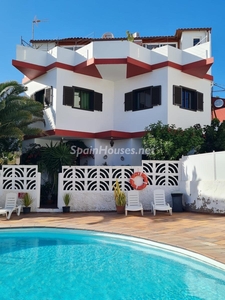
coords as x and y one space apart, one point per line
106 91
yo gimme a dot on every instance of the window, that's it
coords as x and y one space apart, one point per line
187 98
196 41
154 46
150 47
144 98
81 98
73 48
44 96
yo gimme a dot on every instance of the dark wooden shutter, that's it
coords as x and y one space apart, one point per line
48 96
91 100
156 95
194 101
128 101
68 96
199 101
177 95
148 94
97 101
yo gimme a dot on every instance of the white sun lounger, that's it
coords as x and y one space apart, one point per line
133 203
159 202
10 205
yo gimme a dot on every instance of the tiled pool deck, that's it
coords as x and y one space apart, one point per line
200 233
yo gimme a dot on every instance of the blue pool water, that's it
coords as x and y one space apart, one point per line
61 264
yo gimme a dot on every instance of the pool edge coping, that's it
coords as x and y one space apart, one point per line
164 246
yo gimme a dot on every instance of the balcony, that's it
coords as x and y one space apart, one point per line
113 60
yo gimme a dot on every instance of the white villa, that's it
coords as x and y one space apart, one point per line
105 91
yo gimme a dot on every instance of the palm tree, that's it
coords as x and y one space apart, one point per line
18 112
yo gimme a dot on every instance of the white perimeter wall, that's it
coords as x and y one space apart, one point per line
200 178
20 179
203 182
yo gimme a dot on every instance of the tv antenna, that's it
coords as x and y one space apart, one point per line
36 21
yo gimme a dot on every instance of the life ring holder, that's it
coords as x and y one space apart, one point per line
143 185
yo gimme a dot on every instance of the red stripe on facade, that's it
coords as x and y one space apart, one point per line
134 67
139 134
138 63
198 68
87 68
71 133
59 65
84 64
110 61
100 135
167 64
30 70
208 77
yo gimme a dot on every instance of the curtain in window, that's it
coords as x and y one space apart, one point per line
84 100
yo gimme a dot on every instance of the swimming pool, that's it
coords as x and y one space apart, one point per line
51 263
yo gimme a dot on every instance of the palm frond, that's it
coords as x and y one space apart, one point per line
18 112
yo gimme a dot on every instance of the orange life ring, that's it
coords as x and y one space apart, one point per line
143 185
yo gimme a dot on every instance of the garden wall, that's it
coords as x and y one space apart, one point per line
201 179
91 187
203 182
20 179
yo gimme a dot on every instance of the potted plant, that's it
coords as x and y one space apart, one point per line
120 198
27 201
66 199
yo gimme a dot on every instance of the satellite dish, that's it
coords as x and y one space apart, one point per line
108 35
218 103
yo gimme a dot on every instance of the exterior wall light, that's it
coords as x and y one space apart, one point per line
111 142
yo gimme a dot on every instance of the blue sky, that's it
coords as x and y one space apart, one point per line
92 18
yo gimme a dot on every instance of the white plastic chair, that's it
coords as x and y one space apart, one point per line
10 205
133 203
159 202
